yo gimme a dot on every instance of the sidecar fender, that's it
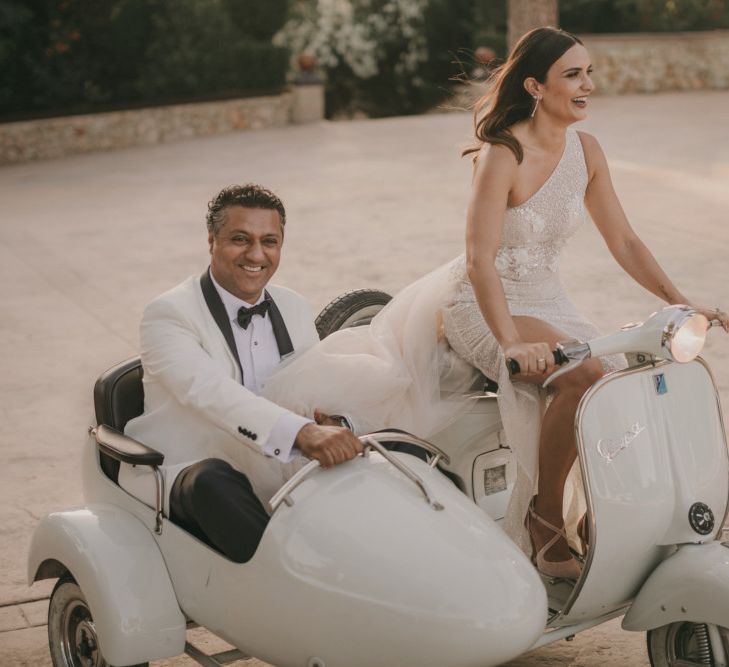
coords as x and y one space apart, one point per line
117 564
690 585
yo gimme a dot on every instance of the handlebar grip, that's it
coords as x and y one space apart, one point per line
559 358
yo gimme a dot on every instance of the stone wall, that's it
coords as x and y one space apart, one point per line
68 135
641 63
653 62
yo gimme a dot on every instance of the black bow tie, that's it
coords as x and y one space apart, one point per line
245 314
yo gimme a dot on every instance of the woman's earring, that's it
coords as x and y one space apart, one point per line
536 104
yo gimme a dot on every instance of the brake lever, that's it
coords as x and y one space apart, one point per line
562 371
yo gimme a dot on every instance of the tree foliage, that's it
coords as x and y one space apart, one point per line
64 56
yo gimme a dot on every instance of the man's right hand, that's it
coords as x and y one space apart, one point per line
330 445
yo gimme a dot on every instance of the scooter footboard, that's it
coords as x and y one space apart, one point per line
690 585
120 570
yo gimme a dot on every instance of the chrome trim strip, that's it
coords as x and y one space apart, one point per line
702 361
159 486
281 496
370 442
373 442
386 436
592 532
159 499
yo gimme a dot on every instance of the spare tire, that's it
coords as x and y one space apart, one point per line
351 309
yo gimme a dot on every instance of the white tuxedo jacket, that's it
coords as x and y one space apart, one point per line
195 406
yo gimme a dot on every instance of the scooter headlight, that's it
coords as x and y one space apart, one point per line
684 336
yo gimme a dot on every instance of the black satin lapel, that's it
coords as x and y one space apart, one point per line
220 315
283 340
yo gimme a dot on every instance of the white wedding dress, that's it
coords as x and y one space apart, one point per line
401 371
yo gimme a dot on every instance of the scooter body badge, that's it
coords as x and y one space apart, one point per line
659 382
609 448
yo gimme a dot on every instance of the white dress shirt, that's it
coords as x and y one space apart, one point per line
259 357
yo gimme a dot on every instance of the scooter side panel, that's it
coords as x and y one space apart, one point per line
362 571
117 564
690 585
651 444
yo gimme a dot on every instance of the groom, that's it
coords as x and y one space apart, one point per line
207 347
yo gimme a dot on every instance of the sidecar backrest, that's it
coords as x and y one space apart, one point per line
118 397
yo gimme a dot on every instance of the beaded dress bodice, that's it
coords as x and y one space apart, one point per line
535 232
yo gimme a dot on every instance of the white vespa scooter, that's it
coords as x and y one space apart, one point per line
386 561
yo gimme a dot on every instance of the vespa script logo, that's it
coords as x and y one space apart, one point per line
609 448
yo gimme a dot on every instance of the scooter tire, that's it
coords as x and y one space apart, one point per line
680 643
351 309
72 636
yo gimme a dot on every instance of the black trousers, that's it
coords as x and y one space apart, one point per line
215 502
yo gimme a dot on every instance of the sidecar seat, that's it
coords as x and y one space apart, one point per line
118 397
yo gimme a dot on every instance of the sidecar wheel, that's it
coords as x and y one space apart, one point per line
681 644
351 309
71 633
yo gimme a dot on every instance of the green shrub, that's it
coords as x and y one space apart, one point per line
93 53
258 19
67 56
19 47
199 52
449 27
490 26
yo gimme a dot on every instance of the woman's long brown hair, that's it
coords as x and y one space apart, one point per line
507 101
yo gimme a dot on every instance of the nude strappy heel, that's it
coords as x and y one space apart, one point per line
583 534
563 569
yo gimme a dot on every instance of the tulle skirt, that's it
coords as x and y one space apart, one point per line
398 372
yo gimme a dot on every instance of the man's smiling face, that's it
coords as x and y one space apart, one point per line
246 251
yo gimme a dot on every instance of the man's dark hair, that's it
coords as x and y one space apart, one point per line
249 195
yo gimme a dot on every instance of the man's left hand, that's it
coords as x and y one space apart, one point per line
327 444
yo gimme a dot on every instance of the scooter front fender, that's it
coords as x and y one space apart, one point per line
119 568
690 585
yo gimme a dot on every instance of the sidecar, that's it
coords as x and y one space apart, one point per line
381 560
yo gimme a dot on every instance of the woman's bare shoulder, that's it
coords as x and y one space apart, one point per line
495 159
590 145
594 156
589 141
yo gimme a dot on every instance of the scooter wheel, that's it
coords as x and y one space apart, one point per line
682 643
351 309
71 632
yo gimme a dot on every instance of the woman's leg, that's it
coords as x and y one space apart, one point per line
557 448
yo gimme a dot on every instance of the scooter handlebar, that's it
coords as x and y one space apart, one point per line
559 358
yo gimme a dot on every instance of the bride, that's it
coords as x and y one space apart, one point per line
535 180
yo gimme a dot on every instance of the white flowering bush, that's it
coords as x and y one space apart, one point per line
371 50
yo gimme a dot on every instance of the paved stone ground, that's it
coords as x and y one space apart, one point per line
85 242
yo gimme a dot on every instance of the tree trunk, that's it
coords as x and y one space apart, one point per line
523 15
